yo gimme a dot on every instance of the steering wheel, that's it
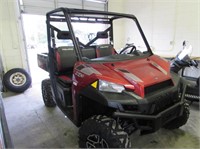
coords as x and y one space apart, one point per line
131 47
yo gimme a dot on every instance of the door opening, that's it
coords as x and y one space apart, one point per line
36 42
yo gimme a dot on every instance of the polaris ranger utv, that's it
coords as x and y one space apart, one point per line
107 92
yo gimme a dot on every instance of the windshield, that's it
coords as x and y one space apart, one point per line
185 53
126 33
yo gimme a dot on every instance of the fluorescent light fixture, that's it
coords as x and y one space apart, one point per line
21 2
98 1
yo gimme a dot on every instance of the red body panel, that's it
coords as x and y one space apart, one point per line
132 74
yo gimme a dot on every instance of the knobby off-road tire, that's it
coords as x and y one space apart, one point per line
198 80
47 93
192 93
17 80
179 121
102 132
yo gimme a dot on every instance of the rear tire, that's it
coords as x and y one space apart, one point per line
47 93
102 132
179 121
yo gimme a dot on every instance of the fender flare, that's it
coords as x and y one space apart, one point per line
94 94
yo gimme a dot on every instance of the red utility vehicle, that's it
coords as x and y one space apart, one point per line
107 92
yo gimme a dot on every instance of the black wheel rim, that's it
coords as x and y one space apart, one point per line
96 141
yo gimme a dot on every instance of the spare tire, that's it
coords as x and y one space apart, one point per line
17 80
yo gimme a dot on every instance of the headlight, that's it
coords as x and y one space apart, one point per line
110 87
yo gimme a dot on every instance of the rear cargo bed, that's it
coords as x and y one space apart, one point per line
43 61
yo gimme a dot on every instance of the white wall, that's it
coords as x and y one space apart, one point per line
12 47
166 23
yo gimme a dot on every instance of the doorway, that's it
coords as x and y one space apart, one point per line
36 42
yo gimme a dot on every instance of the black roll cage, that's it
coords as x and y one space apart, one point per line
70 15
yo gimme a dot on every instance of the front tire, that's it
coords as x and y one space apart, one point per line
102 132
47 93
179 121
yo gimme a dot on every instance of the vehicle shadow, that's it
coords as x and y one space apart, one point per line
166 139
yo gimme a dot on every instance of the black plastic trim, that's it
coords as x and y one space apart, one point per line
147 117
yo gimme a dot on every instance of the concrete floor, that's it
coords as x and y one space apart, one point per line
32 125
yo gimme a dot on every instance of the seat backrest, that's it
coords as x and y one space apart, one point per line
89 52
65 58
104 50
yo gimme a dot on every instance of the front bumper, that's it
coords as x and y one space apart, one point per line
151 123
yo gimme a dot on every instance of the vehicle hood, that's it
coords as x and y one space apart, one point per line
135 74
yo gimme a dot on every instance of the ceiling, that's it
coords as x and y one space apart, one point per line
43 6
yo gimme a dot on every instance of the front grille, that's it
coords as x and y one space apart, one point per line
163 101
158 86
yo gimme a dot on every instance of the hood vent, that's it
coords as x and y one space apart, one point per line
123 70
158 86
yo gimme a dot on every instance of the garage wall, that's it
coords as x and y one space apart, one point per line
12 47
165 23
